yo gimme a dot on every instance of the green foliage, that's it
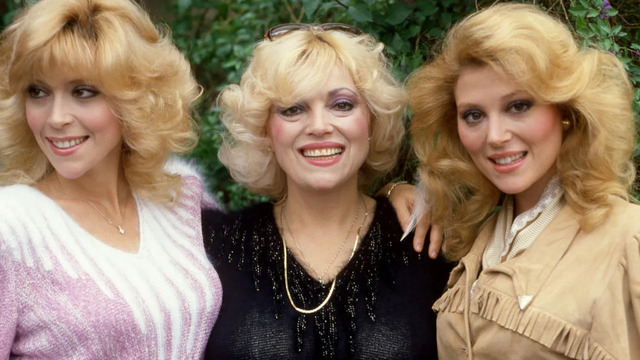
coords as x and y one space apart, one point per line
601 25
8 9
218 38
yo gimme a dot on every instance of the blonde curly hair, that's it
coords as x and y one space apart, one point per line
526 44
290 68
113 45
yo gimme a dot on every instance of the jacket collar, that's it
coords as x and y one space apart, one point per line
531 269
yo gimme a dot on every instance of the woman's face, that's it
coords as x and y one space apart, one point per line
74 125
513 138
322 141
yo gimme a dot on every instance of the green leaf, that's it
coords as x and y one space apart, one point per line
593 13
579 11
616 29
585 4
582 28
612 12
360 12
445 18
310 7
435 32
427 8
183 5
596 30
397 13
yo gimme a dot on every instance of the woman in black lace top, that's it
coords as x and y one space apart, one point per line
321 271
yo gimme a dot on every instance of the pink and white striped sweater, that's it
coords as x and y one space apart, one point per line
66 295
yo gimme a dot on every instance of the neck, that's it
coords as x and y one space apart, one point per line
530 197
336 207
110 190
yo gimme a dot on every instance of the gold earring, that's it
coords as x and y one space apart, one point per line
566 124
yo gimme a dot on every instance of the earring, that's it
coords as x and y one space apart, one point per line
369 139
566 124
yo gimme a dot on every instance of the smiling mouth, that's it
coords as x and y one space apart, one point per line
69 143
509 159
322 153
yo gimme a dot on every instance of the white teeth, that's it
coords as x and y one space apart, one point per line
509 159
68 143
321 152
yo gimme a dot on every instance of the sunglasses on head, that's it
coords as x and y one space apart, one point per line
283 29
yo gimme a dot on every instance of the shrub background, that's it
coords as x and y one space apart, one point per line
217 37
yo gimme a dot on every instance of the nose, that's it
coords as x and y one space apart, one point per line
320 122
498 131
59 113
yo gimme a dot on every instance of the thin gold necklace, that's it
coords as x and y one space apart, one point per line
333 283
120 228
283 220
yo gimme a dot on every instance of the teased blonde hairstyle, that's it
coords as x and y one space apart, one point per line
540 54
113 45
291 68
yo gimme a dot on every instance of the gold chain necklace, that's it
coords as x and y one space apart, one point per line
119 227
333 283
283 220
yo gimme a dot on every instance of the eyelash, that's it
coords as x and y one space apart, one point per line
527 104
32 89
467 114
340 103
292 110
85 89
82 92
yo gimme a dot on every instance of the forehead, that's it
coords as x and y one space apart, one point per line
481 83
340 77
58 75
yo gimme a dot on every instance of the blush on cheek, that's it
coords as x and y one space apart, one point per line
275 131
467 139
32 121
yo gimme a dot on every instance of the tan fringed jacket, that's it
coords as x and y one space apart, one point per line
571 295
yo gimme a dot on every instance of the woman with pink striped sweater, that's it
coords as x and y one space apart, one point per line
101 253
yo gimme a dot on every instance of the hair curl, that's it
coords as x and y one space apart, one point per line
589 86
113 45
291 68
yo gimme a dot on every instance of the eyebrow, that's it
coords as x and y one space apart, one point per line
335 91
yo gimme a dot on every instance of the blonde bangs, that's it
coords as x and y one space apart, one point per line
298 73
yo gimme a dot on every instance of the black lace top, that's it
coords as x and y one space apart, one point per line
381 307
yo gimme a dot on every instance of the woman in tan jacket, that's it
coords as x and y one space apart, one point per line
525 143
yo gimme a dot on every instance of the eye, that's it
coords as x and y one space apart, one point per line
472 116
519 106
85 92
343 105
291 111
36 92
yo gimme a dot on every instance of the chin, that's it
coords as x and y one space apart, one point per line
70 174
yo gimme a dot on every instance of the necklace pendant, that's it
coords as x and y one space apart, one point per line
121 230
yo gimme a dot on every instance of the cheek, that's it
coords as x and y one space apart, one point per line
360 125
548 130
103 119
470 139
34 119
276 132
